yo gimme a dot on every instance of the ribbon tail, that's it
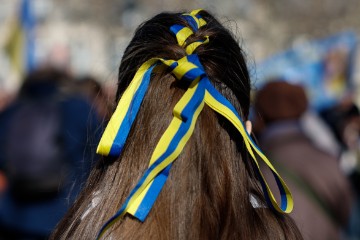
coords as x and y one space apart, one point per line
173 141
222 106
150 195
118 128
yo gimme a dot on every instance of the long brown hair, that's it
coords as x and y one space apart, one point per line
207 195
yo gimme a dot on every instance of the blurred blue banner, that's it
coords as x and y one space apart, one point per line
21 43
28 25
324 67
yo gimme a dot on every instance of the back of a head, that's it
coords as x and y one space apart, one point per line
280 101
222 57
207 194
341 116
43 82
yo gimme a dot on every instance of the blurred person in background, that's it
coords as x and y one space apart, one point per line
96 94
46 154
212 190
344 120
5 100
322 194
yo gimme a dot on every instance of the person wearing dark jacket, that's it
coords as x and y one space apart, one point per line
43 124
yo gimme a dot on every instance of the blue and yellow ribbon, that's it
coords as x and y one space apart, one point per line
174 139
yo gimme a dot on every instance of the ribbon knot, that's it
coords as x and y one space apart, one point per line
188 68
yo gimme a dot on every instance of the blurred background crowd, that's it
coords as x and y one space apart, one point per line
59 62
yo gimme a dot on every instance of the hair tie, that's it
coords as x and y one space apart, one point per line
174 139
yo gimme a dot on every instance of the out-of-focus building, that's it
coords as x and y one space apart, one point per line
89 36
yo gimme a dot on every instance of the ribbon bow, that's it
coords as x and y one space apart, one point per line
174 139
